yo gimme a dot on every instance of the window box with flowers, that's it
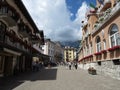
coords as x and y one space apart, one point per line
103 51
98 53
90 56
114 48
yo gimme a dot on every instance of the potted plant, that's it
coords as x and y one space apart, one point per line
92 71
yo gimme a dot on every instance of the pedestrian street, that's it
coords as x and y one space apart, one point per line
59 78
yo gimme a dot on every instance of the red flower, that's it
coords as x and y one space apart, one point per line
114 48
86 57
98 53
103 51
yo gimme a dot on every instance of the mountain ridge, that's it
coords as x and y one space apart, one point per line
74 44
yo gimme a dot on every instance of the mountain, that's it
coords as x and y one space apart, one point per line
74 44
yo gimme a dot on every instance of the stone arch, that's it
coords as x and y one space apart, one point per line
97 39
113 26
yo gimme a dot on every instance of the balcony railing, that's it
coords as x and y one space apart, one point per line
107 15
37 48
106 1
15 43
106 4
6 17
84 25
116 8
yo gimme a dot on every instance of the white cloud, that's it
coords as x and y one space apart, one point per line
81 12
53 18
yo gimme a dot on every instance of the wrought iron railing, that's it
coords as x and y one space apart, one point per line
109 13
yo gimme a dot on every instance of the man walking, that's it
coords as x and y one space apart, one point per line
69 65
76 65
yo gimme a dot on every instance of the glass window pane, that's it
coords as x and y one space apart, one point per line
117 39
114 29
112 41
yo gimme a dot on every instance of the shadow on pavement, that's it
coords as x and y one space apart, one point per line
8 83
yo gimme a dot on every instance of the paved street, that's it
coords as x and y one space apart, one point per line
59 78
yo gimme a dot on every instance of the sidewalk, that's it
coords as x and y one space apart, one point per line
60 78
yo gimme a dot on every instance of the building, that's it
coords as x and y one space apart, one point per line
59 52
54 50
101 39
18 34
69 54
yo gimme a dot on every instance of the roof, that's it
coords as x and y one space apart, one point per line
23 9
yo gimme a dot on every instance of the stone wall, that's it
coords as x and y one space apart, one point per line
108 68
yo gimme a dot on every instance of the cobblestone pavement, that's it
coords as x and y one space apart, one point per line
59 78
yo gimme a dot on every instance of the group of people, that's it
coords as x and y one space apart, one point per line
74 64
36 65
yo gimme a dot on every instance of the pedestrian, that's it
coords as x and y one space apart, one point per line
70 65
37 65
33 66
76 65
49 65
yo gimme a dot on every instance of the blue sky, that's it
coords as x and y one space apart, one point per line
59 19
74 5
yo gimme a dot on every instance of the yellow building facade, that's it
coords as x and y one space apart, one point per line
69 54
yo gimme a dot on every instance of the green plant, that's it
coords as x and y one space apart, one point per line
95 25
101 19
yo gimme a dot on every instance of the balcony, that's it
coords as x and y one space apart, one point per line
35 39
116 8
24 30
14 41
10 21
37 48
24 33
84 25
107 15
87 34
107 4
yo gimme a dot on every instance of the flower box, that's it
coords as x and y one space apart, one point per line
114 48
88 56
92 71
103 51
98 53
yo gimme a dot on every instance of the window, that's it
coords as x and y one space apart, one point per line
2 31
3 9
90 46
1 63
114 36
98 44
2 0
87 50
104 43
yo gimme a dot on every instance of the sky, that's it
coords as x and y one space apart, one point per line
60 20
